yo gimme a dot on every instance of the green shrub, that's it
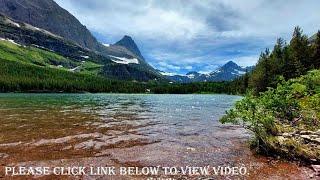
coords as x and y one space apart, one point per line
294 104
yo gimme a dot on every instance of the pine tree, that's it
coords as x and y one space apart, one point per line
298 58
300 52
259 77
277 57
316 54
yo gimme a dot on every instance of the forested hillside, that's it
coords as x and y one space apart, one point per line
25 77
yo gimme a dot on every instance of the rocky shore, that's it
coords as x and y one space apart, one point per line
310 137
302 144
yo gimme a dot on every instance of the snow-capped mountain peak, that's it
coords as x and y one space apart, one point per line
227 72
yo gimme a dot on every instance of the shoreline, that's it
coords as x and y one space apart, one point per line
258 166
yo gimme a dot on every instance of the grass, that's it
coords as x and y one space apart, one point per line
45 58
13 52
91 68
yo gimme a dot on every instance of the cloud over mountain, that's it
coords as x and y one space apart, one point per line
196 33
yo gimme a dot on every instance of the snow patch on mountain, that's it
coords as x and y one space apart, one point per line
9 21
28 26
240 72
191 76
124 60
85 57
10 40
167 73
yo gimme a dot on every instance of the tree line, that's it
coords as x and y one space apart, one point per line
24 77
285 61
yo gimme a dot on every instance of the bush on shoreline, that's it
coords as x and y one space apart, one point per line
285 120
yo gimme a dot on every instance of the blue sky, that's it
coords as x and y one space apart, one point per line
188 35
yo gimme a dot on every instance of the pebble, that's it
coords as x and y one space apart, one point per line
316 169
317 140
306 137
3 155
286 135
306 132
191 149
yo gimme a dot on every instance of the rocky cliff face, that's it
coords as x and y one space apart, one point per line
48 15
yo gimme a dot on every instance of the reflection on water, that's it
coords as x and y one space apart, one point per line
140 130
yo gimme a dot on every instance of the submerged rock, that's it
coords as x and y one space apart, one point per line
306 132
316 169
317 140
307 137
286 135
3 155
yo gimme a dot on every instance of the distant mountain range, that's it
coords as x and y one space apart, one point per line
227 72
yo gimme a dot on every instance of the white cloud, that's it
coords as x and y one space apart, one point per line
188 67
247 60
201 34
187 20
147 19
166 66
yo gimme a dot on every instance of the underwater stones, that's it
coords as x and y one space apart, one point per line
3 155
286 135
306 132
317 140
316 169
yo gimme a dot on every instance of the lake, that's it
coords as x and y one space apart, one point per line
139 130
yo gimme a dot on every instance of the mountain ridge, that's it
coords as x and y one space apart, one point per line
27 35
49 16
226 72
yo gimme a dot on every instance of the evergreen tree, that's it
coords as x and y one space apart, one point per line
316 52
275 63
259 77
278 57
300 52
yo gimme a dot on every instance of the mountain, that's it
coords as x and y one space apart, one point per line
127 52
26 35
49 18
128 43
48 15
227 72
